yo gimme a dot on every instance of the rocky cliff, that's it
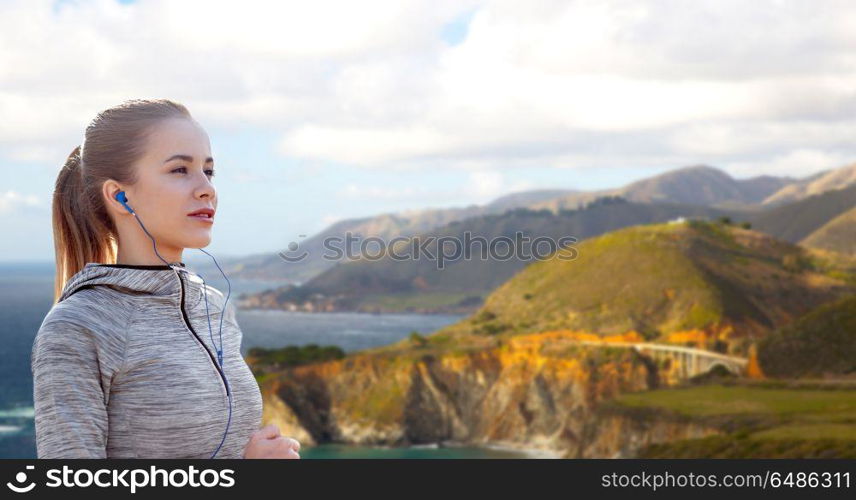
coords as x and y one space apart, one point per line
530 391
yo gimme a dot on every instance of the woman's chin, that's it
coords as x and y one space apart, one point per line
198 240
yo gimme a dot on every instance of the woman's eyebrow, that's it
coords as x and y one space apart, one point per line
186 158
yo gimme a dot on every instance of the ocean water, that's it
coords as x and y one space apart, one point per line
26 292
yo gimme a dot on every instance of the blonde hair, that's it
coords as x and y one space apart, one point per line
113 142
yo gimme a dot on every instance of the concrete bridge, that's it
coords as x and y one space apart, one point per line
691 361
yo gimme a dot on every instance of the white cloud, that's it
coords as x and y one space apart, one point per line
485 185
12 202
688 79
544 82
480 187
329 219
768 137
796 163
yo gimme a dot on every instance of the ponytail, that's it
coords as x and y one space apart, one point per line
76 240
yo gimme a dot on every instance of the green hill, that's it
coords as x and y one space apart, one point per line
796 221
755 419
828 180
414 283
837 235
728 282
822 342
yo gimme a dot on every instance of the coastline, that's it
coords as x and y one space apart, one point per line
529 452
506 446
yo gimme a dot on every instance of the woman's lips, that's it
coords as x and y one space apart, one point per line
203 218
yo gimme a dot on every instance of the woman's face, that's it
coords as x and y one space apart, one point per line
175 179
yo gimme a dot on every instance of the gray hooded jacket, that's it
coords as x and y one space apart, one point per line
124 366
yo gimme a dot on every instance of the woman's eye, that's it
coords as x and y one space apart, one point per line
209 172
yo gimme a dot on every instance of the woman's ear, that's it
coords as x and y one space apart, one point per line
109 190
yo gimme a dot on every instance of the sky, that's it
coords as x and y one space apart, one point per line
325 110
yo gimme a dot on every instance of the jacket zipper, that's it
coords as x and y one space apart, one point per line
189 327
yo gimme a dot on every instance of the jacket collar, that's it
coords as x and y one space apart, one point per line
155 280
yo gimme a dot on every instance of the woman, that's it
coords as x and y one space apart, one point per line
126 363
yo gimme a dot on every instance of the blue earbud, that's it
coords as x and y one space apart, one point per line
121 198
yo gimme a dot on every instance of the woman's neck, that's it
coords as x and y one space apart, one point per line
147 258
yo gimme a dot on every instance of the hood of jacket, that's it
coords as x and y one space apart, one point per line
174 282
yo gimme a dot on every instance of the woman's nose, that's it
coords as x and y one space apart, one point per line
206 187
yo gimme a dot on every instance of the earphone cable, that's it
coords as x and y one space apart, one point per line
210 332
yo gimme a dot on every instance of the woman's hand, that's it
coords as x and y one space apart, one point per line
268 443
